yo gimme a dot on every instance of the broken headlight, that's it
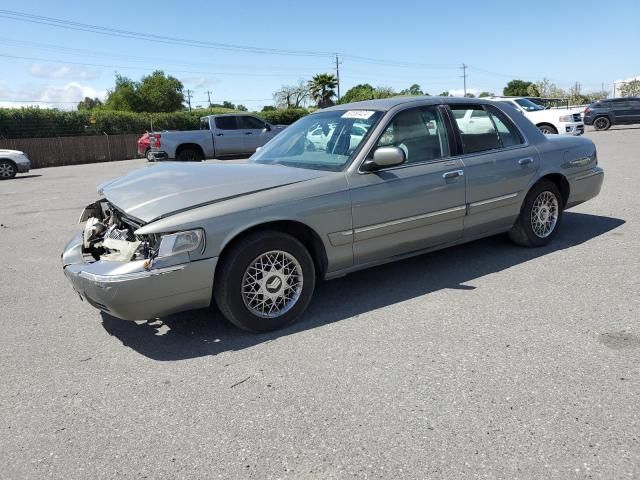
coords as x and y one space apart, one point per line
180 242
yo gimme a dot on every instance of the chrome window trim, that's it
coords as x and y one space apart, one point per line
400 221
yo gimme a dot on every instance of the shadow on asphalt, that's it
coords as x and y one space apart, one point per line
21 177
204 332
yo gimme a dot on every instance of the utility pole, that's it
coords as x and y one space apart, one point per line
189 99
338 75
464 76
209 97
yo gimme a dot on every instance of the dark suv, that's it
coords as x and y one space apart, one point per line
615 111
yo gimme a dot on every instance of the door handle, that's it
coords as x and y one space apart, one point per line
525 161
248 133
453 174
219 134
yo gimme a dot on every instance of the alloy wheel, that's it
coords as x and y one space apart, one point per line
7 170
544 214
272 284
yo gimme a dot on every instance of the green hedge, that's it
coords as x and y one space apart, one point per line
39 122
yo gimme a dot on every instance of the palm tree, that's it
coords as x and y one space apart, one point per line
321 89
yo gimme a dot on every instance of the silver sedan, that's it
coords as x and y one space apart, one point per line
395 178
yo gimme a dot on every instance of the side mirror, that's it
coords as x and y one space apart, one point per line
267 127
384 157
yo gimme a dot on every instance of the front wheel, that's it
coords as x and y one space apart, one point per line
7 170
265 281
548 129
601 123
539 217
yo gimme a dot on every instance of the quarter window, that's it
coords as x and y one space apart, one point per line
419 132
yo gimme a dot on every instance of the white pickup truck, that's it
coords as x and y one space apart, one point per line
561 121
220 136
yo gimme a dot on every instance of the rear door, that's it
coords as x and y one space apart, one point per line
635 110
228 140
255 132
622 111
499 165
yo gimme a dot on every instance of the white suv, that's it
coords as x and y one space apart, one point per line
549 120
12 162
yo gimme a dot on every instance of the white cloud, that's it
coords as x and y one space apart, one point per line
48 96
61 71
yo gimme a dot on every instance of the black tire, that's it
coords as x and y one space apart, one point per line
602 123
147 155
522 232
548 129
8 170
230 274
189 155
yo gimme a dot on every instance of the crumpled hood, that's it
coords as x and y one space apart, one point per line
158 191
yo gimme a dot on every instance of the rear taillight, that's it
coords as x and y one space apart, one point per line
587 110
154 140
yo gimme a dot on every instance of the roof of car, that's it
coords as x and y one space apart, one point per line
389 103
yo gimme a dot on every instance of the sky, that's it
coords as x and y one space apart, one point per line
393 44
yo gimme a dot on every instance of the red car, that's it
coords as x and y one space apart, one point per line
143 145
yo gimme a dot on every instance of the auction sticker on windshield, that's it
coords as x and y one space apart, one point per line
363 114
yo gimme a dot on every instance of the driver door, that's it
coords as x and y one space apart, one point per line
413 206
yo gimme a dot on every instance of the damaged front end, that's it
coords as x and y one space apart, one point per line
136 277
108 235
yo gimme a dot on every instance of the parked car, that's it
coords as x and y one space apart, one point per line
13 162
228 135
143 145
614 111
550 121
256 236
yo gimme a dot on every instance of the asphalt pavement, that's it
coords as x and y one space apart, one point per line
481 361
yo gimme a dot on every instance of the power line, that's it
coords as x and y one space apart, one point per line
85 27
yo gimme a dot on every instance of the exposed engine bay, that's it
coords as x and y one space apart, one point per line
109 235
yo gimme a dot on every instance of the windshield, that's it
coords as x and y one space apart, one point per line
322 141
528 106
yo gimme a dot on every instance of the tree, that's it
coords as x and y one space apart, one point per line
241 108
545 87
517 88
532 90
268 108
153 93
485 94
292 96
228 104
124 96
160 93
469 95
444 94
89 103
412 90
384 92
630 88
360 92
321 89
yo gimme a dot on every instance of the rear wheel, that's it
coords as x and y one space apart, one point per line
548 129
189 155
540 216
265 281
8 170
602 123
